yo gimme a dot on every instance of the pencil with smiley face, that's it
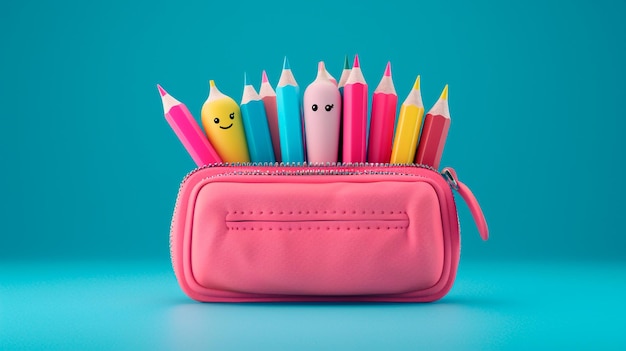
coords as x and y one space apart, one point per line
222 122
322 118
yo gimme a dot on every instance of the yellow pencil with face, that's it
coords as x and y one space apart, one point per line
221 119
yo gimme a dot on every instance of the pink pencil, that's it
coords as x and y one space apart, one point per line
355 116
188 130
434 132
384 104
268 95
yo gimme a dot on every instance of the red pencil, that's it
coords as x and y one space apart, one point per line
268 95
434 132
384 104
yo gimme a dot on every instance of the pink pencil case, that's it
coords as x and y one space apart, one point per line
347 232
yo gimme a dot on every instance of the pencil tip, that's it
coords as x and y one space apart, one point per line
346 63
264 77
245 78
356 61
388 69
212 83
161 90
286 63
444 93
416 85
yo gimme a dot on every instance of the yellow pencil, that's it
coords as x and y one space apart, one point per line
408 128
222 122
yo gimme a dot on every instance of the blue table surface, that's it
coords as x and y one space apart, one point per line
138 305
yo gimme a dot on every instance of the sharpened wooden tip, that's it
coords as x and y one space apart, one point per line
388 69
416 85
444 93
161 90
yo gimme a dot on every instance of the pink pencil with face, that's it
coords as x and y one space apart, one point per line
434 132
188 130
355 116
322 118
384 104
268 95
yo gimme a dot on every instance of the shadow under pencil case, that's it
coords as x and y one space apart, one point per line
346 232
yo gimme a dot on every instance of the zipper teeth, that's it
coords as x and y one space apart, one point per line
305 164
309 169
307 172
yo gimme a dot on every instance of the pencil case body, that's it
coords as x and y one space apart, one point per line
269 233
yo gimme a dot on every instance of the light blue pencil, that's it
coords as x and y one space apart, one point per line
288 103
255 125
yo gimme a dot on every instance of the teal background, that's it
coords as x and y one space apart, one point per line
90 168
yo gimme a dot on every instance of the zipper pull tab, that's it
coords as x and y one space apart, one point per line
470 200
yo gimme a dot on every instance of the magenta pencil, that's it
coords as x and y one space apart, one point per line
268 95
188 130
382 121
355 116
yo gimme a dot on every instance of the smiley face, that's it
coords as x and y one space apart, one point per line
222 118
223 125
216 120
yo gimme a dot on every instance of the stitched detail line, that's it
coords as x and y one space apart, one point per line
272 212
316 228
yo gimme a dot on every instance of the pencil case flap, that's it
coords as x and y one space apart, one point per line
360 233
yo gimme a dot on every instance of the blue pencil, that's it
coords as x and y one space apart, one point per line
289 116
255 125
